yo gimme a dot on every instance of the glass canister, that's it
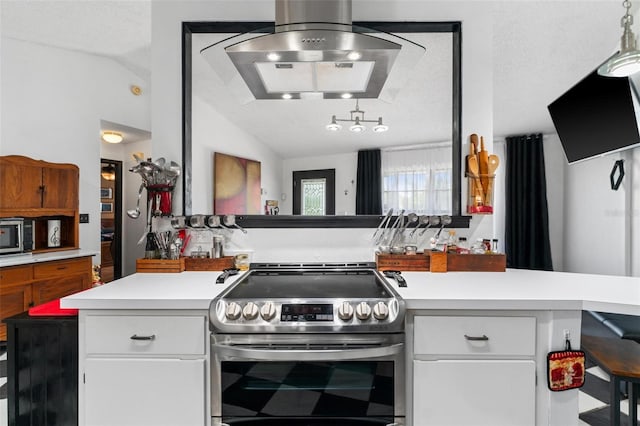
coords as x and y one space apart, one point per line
242 261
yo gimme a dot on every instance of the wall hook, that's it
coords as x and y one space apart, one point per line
617 167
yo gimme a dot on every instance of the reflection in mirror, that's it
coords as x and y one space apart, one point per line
420 152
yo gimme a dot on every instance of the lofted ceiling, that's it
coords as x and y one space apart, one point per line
540 49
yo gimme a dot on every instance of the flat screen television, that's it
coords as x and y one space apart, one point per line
597 116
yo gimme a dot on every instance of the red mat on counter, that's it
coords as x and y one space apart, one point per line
52 309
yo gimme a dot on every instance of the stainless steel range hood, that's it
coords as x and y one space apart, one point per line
313 52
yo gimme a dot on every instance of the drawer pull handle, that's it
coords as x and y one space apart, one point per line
60 268
482 338
136 337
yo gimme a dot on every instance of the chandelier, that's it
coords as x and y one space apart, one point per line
357 118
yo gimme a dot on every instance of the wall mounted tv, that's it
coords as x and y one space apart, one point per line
597 116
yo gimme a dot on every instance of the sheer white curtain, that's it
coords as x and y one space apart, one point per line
417 179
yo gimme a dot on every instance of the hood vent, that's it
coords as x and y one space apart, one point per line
313 52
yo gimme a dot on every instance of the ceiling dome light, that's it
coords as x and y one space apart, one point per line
287 96
333 126
357 128
627 60
273 56
108 172
112 137
380 127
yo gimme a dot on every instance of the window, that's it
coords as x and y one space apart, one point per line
417 180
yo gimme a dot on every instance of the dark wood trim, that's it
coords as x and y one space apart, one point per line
117 217
455 27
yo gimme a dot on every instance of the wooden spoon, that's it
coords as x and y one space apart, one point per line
474 171
494 162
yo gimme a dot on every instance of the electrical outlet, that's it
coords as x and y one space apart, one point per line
84 217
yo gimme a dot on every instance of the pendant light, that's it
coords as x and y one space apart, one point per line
627 60
356 117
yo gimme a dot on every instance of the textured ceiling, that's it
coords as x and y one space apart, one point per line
540 49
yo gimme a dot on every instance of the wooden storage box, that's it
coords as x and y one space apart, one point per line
402 262
477 262
455 262
160 265
208 264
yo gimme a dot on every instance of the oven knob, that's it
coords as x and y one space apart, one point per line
363 311
345 311
233 311
380 311
250 311
268 311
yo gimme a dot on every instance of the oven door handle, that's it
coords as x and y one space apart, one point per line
229 351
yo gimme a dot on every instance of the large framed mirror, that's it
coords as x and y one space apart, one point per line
422 110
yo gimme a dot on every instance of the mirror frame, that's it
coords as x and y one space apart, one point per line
291 221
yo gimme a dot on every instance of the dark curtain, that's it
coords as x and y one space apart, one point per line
527 221
369 182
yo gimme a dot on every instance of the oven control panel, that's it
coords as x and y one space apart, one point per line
306 312
242 315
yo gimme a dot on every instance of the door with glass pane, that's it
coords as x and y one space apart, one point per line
314 192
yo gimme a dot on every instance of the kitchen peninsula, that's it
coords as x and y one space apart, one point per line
525 314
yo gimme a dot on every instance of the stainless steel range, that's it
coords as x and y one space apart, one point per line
308 345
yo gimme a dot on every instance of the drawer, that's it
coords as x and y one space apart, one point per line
16 274
475 335
61 268
165 335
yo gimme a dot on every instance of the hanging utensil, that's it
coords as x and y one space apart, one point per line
148 227
411 218
385 221
134 214
230 220
424 220
433 221
444 221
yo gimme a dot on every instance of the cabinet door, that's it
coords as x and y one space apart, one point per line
144 392
55 288
474 392
60 187
14 299
20 186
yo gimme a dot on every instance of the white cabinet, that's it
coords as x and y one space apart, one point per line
474 392
473 370
144 392
143 368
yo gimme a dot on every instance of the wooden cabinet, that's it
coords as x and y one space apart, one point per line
29 285
41 190
151 365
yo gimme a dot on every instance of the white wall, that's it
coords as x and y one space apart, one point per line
214 133
302 245
345 166
52 103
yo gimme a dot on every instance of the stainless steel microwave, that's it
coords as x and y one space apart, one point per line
16 235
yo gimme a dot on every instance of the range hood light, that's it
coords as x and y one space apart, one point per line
286 96
354 56
346 96
357 128
273 56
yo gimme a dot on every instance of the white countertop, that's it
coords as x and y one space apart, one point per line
24 259
514 289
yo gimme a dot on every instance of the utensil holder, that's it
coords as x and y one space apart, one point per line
480 193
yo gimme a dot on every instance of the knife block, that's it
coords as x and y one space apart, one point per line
480 193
